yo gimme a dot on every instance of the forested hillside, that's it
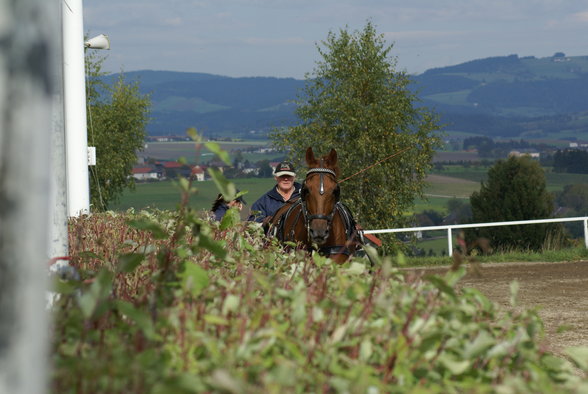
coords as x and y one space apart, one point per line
507 96
510 96
217 105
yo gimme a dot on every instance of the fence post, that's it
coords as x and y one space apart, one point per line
449 242
586 233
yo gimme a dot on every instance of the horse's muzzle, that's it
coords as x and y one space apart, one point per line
319 235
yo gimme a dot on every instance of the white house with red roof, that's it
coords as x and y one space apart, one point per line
148 173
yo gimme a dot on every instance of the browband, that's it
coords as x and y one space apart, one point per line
321 170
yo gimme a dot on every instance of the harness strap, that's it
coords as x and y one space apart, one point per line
347 217
334 249
321 170
279 233
295 222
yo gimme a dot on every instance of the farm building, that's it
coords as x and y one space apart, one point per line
148 173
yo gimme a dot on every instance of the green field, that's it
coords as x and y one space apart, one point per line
165 195
187 149
555 181
435 203
438 245
455 182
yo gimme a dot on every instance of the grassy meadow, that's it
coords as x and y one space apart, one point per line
187 149
453 182
165 195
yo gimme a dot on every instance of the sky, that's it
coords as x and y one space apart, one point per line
279 38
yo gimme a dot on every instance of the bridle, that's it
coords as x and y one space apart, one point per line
299 210
321 171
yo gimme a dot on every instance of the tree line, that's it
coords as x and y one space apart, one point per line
573 161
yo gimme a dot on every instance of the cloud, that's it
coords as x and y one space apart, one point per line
177 21
274 41
263 33
421 34
581 16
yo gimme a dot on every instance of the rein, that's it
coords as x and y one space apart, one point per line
375 164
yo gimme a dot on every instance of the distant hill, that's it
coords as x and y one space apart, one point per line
509 85
507 96
216 105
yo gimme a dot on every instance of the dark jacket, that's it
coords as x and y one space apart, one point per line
270 202
220 211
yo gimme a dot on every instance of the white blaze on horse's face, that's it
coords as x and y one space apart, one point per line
320 194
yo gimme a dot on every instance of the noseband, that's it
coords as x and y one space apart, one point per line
308 218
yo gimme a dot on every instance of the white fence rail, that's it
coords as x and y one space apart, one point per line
450 228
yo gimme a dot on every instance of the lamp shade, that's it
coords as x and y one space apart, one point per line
98 42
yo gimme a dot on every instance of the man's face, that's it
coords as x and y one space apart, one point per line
285 182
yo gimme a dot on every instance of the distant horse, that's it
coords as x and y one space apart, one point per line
318 220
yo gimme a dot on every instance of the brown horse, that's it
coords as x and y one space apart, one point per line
318 220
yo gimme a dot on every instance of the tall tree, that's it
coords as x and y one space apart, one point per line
117 116
356 102
515 190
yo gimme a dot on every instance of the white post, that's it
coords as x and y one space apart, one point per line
76 135
449 242
58 245
586 232
27 61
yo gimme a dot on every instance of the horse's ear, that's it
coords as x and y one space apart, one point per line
332 158
310 156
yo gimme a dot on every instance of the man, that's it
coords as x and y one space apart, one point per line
284 190
220 206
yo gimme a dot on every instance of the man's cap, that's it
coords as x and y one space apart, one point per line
240 198
284 168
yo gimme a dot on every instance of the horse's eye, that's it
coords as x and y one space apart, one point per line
337 192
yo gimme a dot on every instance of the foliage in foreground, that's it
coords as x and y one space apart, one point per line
170 302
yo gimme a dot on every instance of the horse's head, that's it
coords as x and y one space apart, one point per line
319 194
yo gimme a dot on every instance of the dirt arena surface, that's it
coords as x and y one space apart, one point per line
559 290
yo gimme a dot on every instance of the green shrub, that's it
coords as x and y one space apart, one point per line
515 190
173 302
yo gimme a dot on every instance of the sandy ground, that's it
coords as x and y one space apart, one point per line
559 290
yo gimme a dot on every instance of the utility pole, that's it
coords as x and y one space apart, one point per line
28 57
74 90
